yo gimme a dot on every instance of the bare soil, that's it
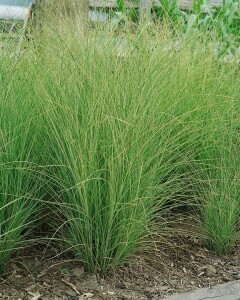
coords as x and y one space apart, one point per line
182 266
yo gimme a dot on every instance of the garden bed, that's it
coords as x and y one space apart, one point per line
183 266
107 140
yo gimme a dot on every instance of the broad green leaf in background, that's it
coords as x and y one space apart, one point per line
121 5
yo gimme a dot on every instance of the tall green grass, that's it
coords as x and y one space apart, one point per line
114 136
19 184
103 134
124 134
219 186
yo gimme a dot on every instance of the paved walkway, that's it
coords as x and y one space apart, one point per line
226 291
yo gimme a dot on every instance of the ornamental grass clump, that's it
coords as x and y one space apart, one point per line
220 183
113 144
122 132
19 185
110 133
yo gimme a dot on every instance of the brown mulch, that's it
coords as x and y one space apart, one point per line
183 266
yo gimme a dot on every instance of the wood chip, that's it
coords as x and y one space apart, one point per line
85 296
72 286
35 296
101 295
18 276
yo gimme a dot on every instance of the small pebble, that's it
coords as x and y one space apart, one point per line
237 276
226 279
71 293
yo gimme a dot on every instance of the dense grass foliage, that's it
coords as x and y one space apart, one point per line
113 136
220 184
134 134
19 185
102 132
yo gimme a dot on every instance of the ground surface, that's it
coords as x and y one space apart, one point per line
181 267
226 291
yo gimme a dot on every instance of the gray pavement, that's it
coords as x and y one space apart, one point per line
226 291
